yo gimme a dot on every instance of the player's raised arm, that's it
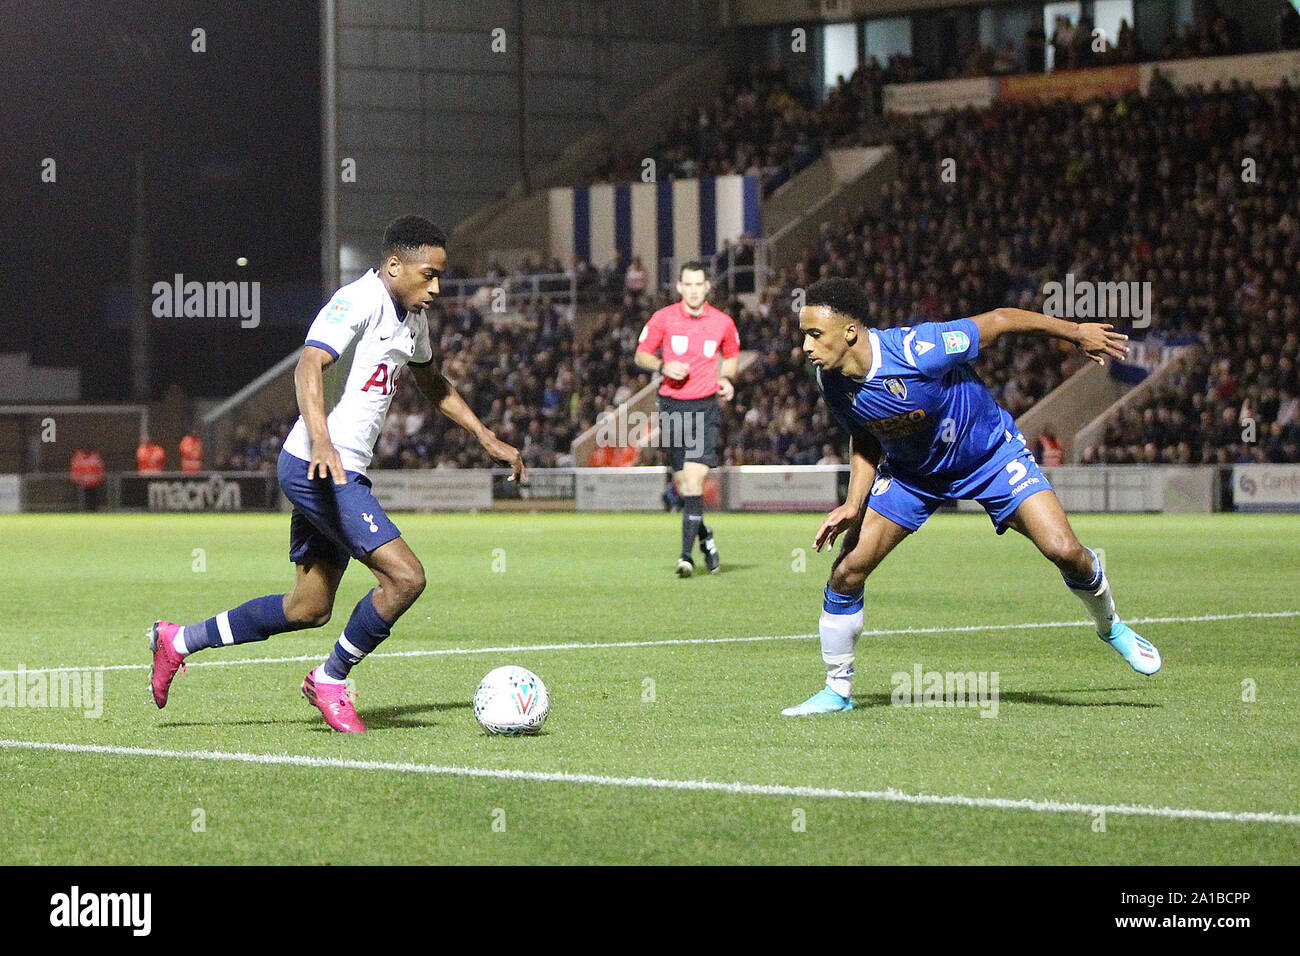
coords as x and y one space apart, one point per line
308 383
447 400
864 456
1096 339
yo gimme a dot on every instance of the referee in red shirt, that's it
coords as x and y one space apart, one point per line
691 334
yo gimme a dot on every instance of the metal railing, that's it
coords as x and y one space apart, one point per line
737 270
517 291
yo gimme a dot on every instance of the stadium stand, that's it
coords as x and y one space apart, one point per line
758 124
1223 268
1030 203
1213 32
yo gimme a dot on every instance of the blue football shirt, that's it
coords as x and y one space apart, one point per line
934 418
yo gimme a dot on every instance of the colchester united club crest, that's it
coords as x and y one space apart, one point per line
896 388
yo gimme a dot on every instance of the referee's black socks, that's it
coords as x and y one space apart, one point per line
692 519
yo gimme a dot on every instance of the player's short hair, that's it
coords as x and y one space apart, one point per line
406 236
694 265
842 296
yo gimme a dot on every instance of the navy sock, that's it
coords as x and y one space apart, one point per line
692 518
365 631
254 620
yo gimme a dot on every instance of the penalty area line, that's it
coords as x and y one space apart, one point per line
667 642
654 783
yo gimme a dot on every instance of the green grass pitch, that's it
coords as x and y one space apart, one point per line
1074 724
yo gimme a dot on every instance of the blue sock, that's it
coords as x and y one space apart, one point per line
254 620
839 626
836 603
365 631
1092 583
1096 596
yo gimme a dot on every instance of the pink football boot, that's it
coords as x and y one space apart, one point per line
335 702
166 660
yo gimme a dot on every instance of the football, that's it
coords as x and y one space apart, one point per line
511 701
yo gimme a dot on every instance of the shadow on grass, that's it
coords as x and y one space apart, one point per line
1028 697
377 718
386 718
727 567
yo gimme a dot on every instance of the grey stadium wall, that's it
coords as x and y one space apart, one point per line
415 95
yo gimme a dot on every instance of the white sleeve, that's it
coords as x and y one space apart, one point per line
339 322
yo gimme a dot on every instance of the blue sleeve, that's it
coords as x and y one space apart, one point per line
936 348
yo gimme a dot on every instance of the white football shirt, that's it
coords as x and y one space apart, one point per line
388 344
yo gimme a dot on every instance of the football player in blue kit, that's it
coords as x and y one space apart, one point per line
924 431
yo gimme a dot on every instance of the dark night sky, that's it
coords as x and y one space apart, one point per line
231 139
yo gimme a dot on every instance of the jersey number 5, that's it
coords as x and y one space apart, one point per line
381 378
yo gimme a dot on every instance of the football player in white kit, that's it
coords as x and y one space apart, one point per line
322 470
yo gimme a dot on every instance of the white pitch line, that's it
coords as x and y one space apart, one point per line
672 642
654 783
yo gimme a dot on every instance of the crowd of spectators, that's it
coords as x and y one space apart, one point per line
1238 409
1075 43
527 380
1193 193
256 445
609 286
1149 190
759 124
1229 281
763 124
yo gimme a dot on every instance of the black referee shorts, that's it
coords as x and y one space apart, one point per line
688 429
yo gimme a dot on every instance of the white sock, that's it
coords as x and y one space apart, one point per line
178 643
320 677
839 634
1099 601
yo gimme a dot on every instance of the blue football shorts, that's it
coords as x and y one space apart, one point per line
332 522
1000 484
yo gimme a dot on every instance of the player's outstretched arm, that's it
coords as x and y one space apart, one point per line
1096 339
447 400
308 383
864 456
